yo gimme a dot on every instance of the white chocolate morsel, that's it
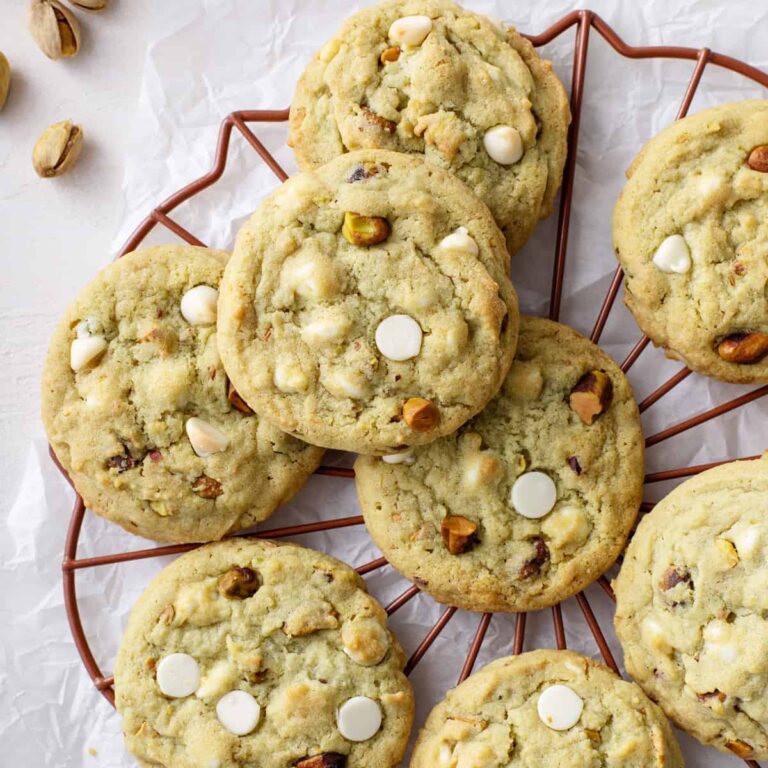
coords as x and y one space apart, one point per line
399 337
359 718
673 255
533 494
341 383
205 438
460 240
503 144
178 675
290 378
198 305
567 528
410 30
746 539
86 350
653 634
559 707
238 712
365 641
405 457
325 330
445 755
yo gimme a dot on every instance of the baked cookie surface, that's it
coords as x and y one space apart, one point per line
247 652
692 606
427 77
360 300
139 411
527 503
691 232
546 708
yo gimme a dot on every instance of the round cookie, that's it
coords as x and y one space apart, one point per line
147 427
546 707
468 517
362 298
691 232
692 606
248 652
427 77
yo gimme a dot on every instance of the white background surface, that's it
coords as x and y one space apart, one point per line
150 86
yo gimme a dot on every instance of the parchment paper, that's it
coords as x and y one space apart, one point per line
208 57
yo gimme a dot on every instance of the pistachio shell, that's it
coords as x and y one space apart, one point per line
5 79
89 5
54 28
57 149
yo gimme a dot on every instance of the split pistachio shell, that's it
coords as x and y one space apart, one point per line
54 28
57 149
5 79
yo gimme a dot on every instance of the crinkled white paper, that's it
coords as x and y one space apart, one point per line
209 57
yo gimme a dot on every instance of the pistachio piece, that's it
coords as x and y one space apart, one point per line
364 230
206 487
57 149
54 28
238 583
707 697
389 55
739 747
234 398
122 462
325 760
573 463
672 577
89 5
5 79
591 396
758 158
363 171
744 347
420 414
380 122
532 567
459 534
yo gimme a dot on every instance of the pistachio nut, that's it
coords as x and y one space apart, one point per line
5 79
54 28
57 149
89 5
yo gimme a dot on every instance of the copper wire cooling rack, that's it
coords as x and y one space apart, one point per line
583 22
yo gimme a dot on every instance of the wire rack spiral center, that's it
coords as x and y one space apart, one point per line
583 23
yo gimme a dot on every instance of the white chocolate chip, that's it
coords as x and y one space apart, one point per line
290 378
653 634
410 30
86 350
238 712
198 305
219 679
503 144
178 675
673 255
83 329
445 755
460 240
325 330
567 528
365 641
399 337
346 384
533 494
746 539
559 707
359 718
205 438
406 457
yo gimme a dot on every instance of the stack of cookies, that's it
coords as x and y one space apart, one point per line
367 307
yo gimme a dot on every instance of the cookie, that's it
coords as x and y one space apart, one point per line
531 500
429 78
141 415
247 652
691 232
360 300
692 607
546 708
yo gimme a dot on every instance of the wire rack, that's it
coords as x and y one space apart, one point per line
584 22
